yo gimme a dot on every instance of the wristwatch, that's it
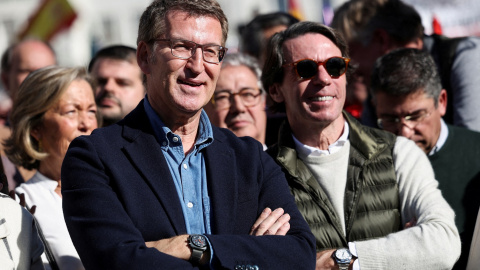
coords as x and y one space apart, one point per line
342 257
198 243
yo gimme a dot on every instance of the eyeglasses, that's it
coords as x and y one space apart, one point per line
411 121
186 49
307 68
223 99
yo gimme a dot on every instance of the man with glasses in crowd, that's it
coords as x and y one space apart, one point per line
163 188
238 102
410 102
369 197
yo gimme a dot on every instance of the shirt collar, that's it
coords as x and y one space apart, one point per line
306 150
205 131
441 139
163 133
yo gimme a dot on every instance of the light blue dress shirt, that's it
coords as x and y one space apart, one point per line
188 172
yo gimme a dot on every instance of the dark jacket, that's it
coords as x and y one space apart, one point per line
118 193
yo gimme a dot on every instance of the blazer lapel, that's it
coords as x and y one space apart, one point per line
222 185
146 154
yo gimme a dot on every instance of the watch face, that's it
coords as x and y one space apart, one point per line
343 254
198 240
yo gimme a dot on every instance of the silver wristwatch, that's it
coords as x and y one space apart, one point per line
342 257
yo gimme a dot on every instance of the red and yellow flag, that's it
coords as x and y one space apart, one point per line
50 18
295 10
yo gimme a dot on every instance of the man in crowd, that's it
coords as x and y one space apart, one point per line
253 40
19 60
410 102
369 197
163 188
254 36
119 82
375 27
239 99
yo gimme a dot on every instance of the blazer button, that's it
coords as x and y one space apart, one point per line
239 267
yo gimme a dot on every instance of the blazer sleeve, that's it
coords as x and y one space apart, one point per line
103 233
296 250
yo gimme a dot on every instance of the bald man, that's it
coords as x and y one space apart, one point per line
19 60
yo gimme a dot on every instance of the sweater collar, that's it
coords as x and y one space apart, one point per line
306 150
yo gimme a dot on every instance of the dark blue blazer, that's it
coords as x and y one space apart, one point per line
118 193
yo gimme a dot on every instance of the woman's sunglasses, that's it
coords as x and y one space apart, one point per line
307 68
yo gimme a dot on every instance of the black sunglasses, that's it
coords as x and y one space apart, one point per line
307 68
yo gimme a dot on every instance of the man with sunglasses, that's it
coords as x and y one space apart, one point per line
410 102
369 197
163 188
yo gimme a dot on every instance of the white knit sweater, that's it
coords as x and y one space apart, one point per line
433 243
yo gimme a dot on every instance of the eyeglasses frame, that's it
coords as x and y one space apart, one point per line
406 118
194 50
232 96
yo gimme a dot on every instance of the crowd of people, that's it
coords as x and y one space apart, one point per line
314 147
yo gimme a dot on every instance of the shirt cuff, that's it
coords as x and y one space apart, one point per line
211 252
353 250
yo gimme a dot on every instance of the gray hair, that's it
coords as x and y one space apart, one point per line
153 20
242 59
406 71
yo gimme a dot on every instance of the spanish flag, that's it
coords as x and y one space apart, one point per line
50 18
295 10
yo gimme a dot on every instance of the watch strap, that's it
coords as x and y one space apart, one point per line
196 255
197 251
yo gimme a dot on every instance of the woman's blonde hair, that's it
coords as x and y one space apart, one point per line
39 92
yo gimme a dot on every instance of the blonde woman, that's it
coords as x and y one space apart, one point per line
54 105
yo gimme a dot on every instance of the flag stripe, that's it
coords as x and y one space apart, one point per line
294 10
51 17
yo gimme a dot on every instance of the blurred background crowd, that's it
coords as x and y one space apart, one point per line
82 32
91 25
76 29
